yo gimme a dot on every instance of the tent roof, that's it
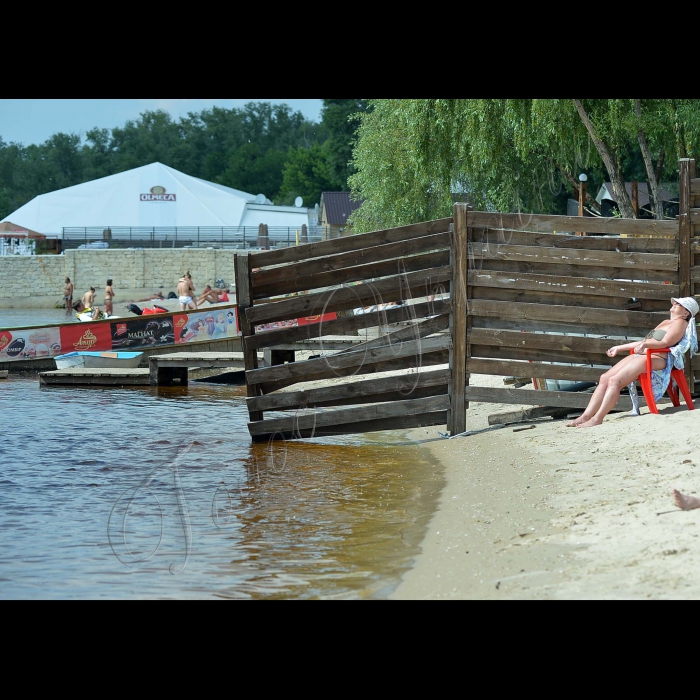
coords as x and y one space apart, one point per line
10 230
154 195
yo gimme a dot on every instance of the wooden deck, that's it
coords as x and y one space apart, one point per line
167 369
80 376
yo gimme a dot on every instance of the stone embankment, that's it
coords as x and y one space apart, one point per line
37 281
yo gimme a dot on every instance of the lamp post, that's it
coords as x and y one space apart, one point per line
581 197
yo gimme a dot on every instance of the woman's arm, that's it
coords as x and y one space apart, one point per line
616 349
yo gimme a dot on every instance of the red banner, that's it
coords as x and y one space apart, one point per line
81 337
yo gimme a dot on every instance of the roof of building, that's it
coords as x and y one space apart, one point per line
338 206
153 195
606 192
10 230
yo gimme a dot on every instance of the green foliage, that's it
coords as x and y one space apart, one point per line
341 119
247 149
413 158
306 174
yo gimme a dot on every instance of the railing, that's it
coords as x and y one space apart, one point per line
236 237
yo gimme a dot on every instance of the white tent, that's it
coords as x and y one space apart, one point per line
153 195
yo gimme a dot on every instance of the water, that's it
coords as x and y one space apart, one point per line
159 493
12 318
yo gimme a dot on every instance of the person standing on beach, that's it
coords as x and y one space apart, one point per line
68 295
185 293
109 295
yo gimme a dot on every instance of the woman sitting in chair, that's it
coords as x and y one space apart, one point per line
678 333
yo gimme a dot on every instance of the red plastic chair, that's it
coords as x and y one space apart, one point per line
677 376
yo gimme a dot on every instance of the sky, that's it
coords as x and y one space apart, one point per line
33 121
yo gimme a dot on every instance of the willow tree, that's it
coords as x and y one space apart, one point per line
413 158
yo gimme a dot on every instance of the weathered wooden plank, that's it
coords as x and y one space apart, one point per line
548 341
630 261
327 417
384 290
350 359
419 329
570 399
566 270
583 316
517 296
538 355
616 243
370 271
602 329
535 370
571 285
684 224
400 423
589 224
341 261
344 326
527 414
368 390
695 186
244 299
403 363
456 413
348 243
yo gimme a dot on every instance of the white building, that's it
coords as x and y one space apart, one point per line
154 197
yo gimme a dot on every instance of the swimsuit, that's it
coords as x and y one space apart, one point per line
185 300
657 334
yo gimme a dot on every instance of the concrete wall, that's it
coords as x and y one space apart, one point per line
30 281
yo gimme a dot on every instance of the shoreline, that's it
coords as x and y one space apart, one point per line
561 513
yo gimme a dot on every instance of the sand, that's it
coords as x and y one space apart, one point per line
562 513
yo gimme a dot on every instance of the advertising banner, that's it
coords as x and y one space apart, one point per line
27 343
134 333
212 324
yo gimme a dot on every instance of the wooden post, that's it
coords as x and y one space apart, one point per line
686 172
244 299
457 412
581 201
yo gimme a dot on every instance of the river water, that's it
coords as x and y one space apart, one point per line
159 493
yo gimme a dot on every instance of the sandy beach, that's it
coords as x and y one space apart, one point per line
553 512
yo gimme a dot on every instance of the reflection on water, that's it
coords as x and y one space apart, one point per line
158 492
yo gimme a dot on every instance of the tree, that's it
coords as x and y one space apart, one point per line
340 119
306 175
414 157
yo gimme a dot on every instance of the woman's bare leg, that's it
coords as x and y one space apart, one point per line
597 396
624 372
594 403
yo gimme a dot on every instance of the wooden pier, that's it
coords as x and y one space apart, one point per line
79 376
168 369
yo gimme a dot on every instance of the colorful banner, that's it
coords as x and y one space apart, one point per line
212 324
127 333
28 343
142 332
133 333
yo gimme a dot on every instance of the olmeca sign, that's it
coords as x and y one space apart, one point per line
157 194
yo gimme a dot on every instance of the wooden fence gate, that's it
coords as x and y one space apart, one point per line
519 295
324 282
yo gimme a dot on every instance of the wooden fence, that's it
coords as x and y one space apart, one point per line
331 278
519 295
